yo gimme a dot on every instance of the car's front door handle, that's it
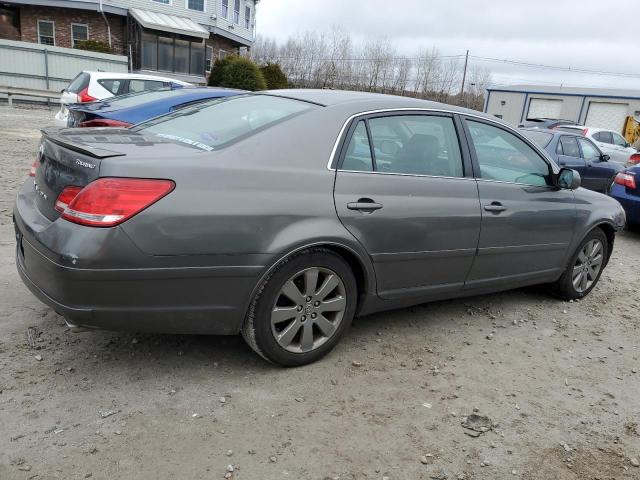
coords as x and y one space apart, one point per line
495 207
364 205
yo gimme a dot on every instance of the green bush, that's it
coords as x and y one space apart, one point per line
93 46
237 72
274 76
217 71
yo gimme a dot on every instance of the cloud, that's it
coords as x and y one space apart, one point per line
572 33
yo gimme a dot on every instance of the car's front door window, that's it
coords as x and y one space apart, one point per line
589 151
504 157
568 146
618 140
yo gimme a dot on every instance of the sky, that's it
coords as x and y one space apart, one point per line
580 34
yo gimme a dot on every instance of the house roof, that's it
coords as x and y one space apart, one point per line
573 91
169 23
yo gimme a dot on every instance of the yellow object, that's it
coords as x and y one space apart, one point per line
632 130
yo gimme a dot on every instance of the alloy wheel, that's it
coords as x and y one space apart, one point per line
588 265
308 309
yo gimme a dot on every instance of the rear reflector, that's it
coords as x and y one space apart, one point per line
110 201
83 96
32 170
104 122
634 159
626 179
65 197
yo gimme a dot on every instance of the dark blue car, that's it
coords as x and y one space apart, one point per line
626 189
578 153
127 110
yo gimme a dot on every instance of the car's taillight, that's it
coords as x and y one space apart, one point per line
83 96
110 201
104 122
634 159
626 179
584 132
32 170
65 197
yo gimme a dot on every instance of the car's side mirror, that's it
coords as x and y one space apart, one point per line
627 144
569 179
604 157
63 90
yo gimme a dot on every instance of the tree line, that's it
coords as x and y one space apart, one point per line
334 60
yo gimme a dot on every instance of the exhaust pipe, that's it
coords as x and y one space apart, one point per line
75 328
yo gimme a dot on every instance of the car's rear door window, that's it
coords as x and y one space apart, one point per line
358 155
604 137
217 123
416 144
568 146
137 85
112 85
502 156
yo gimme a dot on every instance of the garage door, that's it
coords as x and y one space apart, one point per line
607 115
544 108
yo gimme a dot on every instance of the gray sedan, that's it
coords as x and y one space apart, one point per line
282 215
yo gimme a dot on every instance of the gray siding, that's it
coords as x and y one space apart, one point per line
212 8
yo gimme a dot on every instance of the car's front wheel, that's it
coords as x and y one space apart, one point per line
302 309
584 269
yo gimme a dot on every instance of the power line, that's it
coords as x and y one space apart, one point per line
555 67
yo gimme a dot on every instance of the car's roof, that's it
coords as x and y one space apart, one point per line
555 133
365 101
135 76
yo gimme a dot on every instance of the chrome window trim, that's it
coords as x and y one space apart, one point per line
539 151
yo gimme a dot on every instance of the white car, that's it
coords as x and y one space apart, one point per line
92 86
611 143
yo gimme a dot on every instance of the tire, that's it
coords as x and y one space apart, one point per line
566 287
316 322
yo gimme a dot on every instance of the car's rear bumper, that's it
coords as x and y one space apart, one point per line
630 202
81 272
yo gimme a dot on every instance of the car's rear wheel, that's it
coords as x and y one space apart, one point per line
302 309
586 266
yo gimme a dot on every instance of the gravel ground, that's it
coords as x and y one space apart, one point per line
559 381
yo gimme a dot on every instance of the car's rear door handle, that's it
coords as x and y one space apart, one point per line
364 205
495 207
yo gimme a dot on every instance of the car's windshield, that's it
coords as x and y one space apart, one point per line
218 122
541 139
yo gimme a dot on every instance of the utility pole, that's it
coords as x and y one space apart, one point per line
464 74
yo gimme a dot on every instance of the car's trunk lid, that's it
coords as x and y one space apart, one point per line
65 160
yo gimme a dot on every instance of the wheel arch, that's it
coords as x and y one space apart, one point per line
358 261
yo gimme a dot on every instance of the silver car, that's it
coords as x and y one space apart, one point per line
281 215
611 143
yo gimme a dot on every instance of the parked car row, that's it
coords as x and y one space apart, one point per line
281 215
609 142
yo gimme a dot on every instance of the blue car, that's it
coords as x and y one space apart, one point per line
626 189
127 110
578 153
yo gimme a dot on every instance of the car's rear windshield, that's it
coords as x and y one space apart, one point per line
79 83
542 139
216 123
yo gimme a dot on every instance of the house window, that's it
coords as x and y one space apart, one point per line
79 33
172 54
164 2
247 17
236 12
46 32
225 8
195 5
208 59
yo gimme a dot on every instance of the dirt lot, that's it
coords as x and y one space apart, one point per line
559 381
